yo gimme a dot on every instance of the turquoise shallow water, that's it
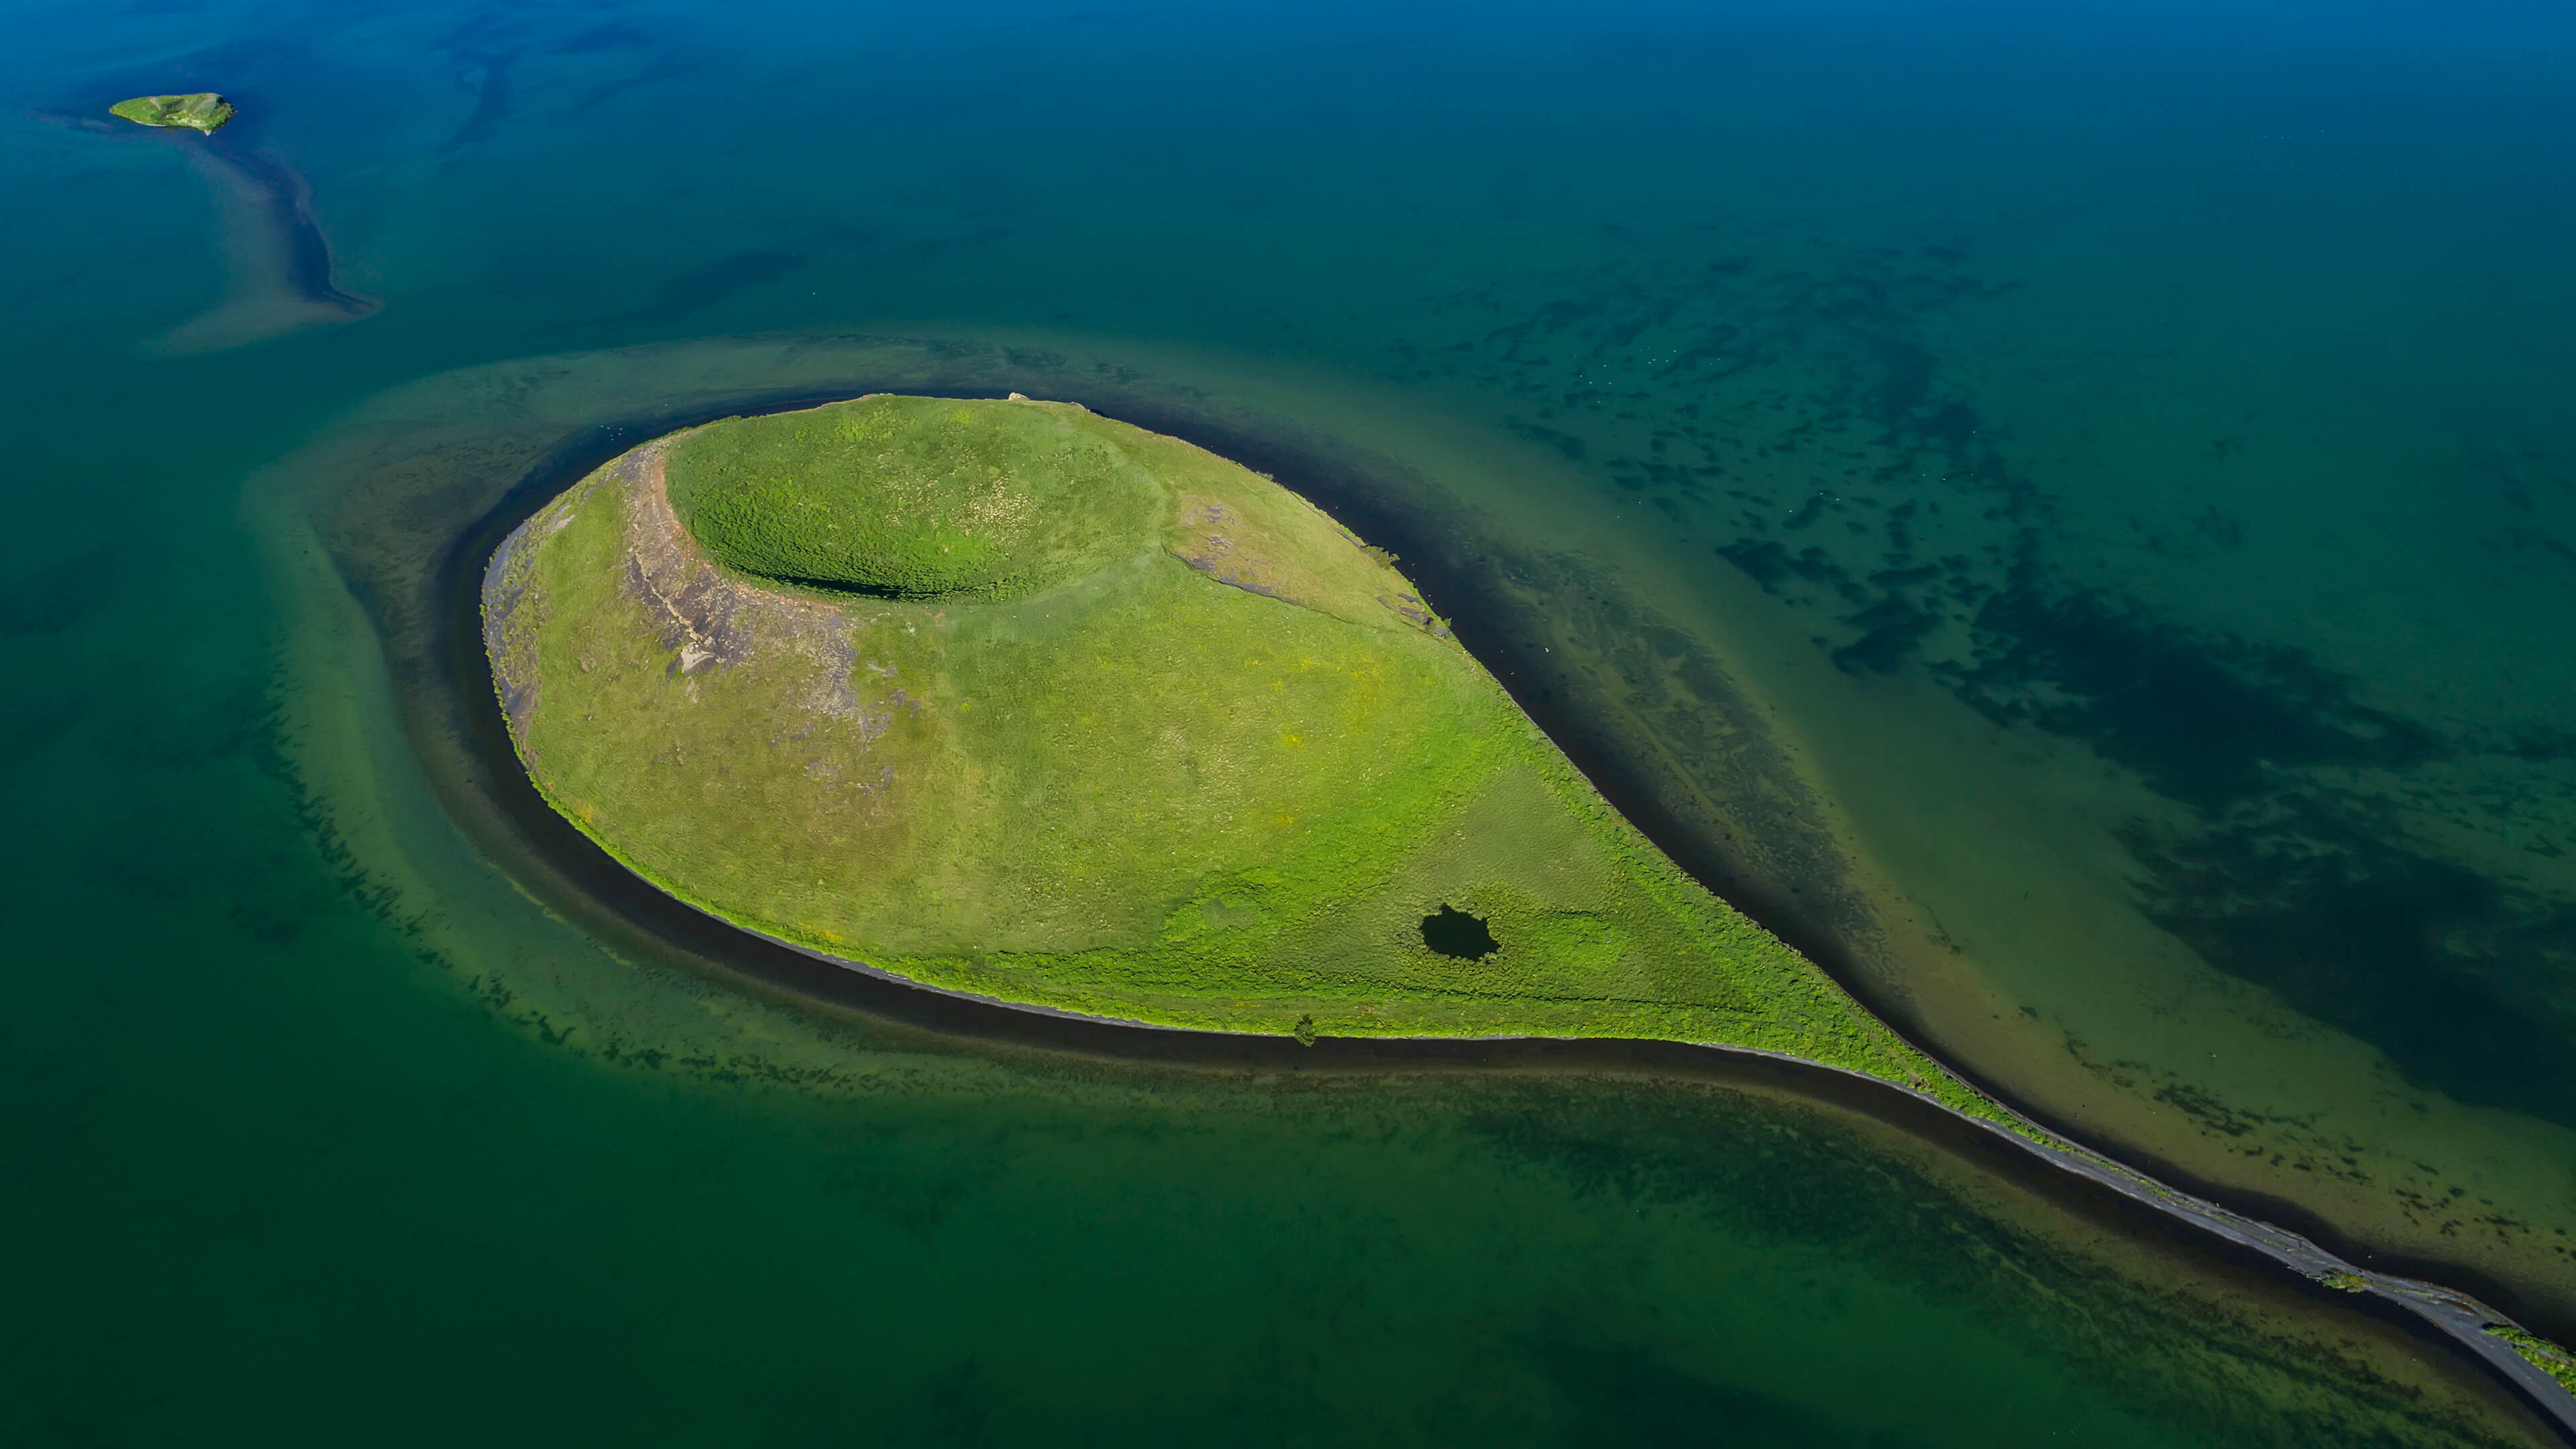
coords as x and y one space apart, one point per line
2066 514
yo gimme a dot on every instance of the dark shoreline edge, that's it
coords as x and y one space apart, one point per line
2428 1311
1453 580
2075 1176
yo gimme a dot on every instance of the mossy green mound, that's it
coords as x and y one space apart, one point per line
1116 727
204 111
909 497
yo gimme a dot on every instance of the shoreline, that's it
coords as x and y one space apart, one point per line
1823 918
2456 1319
2452 1318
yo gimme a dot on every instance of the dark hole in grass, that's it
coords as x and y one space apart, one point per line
1455 933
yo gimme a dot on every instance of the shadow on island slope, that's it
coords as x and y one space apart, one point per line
415 569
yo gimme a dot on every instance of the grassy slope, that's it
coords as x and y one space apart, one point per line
1138 790
831 496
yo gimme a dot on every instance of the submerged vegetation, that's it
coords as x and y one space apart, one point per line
204 111
1010 699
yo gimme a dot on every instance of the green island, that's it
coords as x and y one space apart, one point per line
204 111
1005 698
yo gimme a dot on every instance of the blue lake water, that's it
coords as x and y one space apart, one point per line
2068 513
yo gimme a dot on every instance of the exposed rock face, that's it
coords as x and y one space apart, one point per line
706 618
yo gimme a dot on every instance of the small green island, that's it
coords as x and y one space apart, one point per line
205 111
1005 698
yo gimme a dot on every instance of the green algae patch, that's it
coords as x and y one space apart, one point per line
2548 1357
204 111
1006 698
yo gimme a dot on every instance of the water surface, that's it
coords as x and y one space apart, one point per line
2067 515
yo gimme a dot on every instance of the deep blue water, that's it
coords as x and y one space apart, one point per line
2068 512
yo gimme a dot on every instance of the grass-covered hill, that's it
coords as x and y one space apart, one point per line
204 111
1011 699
